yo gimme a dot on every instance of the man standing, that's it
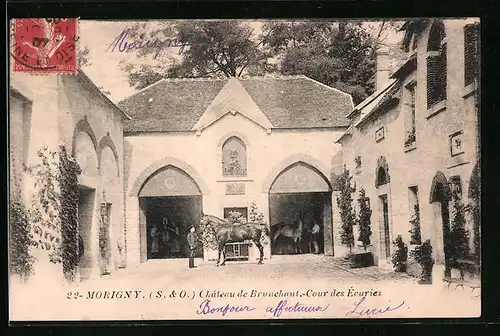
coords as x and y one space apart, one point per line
193 242
314 236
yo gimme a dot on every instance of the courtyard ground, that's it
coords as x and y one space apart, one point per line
168 289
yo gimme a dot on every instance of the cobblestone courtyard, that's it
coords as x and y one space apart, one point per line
279 268
168 289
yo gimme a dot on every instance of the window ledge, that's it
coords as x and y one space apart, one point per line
410 147
436 109
469 90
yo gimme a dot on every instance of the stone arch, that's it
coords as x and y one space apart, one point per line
83 126
439 188
291 160
167 161
229 135
382 172
106 141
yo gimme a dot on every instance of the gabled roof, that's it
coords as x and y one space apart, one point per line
233 98
286 102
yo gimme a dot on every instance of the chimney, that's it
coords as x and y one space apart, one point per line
382 72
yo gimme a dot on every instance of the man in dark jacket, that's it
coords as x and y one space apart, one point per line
193 242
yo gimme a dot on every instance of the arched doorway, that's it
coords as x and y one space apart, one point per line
440 197
300 192
382 180
84 149
170 202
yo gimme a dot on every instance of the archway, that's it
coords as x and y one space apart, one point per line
84 149
300 192
170 202
440 197
382 180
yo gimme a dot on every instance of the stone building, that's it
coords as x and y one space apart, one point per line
417 137
71 111
212 146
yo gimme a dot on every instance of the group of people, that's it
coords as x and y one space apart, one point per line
166 241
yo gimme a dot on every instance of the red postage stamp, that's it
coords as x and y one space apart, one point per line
44 45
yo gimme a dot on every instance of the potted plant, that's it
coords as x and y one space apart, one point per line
121 255
423 255
347 215
460 256
363 258
400 255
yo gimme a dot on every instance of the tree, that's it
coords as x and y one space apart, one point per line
364 221
255 216
215 49
459 234
340 55
344 202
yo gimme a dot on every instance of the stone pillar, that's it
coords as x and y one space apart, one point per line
328 228
339 250
133 232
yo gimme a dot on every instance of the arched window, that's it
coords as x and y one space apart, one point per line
382 172
436 64
234 158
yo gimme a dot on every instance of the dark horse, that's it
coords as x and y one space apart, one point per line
293 232
238 233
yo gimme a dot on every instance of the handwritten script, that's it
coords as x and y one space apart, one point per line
124 42
360 310
206 309
298 307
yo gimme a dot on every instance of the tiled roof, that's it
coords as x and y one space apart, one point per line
288 102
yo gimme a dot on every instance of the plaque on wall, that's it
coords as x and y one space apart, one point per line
457 143
235 188
379 134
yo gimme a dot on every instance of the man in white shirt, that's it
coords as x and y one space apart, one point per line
314 237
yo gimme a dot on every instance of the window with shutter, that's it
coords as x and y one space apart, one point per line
436 65
471 42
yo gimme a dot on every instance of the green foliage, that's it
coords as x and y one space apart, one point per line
208 229
459 234
69 194
341 55
416 236
216 49
235 218
344 202
364 220
475 211
337 54
423 255
20 260
255 216
400 254
54 207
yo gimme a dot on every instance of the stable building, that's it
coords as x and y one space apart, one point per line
215 146
69 110
416 139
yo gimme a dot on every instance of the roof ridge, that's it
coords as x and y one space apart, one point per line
172 80
272 77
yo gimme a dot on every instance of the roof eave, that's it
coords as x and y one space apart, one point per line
89 81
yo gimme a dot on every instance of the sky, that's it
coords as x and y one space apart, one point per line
104 68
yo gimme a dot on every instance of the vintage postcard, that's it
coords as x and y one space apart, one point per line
244 169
